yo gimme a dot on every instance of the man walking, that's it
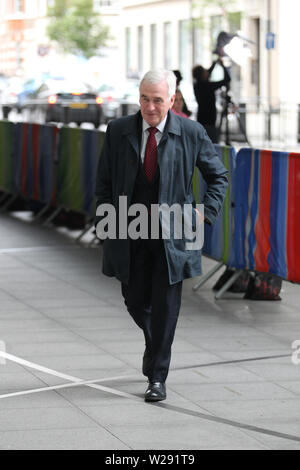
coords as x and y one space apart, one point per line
150 158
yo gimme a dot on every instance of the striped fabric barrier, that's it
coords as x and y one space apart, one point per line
267 213
48 158
7 161
91 145
35 151
218 240
77 162
260 233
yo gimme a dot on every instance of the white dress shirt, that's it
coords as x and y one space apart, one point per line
145 134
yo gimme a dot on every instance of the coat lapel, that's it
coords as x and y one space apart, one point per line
133 132
166 146
172 127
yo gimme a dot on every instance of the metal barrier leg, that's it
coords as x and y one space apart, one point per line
42 212
227 284
208 276
3 197
52 216
84 232
92 241
9 202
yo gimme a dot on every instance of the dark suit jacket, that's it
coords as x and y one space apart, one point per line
183 146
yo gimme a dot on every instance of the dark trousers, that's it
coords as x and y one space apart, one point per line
153 303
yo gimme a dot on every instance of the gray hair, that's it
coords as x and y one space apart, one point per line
159 75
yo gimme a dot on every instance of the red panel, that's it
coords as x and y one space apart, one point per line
262 226
293 219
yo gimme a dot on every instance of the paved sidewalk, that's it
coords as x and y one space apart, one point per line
232 383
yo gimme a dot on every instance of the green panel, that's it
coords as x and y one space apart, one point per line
6 156
69 169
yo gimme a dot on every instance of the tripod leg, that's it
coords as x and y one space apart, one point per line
242 128
227 140
224 115
228 284
207 276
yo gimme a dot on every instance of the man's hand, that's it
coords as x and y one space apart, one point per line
200 217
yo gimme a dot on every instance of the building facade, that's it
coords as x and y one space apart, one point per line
178 34
175 34
25 49
22 35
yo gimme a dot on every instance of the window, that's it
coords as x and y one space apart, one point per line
19 6
140 48
198 52
215 29
167 46
128 50
102 3
234 20
184 49
153 42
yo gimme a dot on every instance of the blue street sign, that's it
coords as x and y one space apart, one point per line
270 41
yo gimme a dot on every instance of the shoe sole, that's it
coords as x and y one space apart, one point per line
154 399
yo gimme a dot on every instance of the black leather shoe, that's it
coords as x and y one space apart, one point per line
156 391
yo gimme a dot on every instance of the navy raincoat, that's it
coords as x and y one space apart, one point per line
184 145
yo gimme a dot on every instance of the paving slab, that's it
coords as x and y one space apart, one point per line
232 382
61 439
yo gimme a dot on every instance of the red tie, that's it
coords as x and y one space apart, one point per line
150 161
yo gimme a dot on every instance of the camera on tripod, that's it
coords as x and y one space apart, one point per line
235 48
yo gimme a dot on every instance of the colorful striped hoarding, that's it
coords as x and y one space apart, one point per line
259 225
267 213
78 155
218 237
35 154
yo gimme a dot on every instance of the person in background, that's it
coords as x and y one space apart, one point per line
204 91
178 105
184 109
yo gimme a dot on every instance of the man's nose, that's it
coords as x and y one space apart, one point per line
151 105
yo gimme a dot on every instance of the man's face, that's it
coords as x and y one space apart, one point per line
155 102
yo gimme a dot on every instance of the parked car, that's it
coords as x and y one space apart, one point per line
12 86
3 82
119 99
66 101
111 101
29 86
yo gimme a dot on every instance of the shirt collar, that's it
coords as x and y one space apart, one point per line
160 126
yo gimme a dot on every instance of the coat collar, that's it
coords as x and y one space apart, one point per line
134 124
173 124
133 128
